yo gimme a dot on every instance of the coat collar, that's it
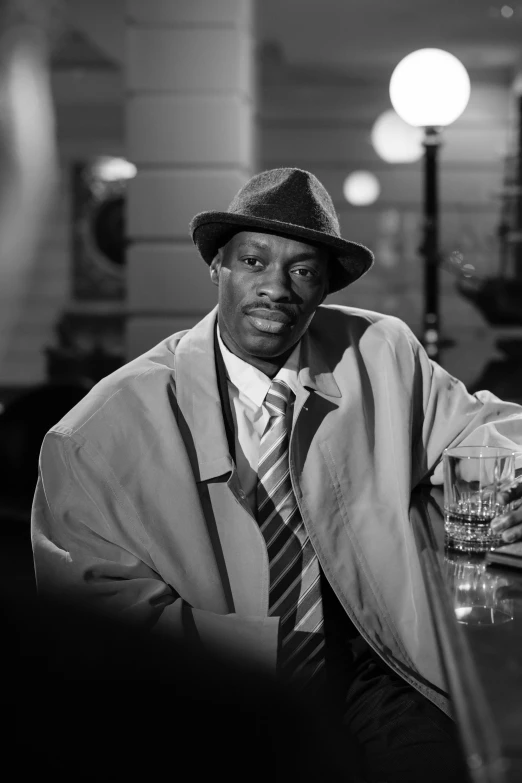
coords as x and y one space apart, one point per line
315 373
198 393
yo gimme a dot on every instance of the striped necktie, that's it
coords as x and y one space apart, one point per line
295 591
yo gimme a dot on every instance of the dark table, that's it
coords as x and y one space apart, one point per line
476 611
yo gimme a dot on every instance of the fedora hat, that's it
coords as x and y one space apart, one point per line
291 203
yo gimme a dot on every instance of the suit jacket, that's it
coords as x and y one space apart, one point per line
138 506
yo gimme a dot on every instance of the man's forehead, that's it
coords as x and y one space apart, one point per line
262 241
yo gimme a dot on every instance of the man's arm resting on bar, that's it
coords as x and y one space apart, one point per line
446 415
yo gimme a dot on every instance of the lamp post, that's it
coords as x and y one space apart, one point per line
430 89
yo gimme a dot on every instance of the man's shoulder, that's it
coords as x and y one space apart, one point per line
126 393
357 320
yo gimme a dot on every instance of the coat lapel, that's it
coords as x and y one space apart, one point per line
237 542
314 371
199 401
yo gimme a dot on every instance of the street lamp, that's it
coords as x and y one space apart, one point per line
430 89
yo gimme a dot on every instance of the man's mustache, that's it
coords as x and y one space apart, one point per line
291 313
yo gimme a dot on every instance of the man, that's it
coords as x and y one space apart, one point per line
248 481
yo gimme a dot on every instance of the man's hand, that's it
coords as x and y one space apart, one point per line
510 523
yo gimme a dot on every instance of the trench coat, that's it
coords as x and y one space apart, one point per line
138 508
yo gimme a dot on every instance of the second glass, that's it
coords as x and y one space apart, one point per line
474 476
476 592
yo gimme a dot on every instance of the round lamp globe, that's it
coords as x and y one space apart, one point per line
361 188
429 88
394 140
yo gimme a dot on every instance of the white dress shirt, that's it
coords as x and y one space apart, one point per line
247 389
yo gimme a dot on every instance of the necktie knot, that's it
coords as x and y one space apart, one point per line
277 398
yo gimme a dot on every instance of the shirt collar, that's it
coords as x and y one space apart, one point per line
251 381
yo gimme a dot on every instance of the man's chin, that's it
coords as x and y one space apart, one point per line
269 346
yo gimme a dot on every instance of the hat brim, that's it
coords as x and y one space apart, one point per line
212 230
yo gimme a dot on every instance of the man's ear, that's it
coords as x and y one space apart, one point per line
215 266
214 269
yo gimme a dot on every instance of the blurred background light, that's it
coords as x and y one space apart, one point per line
506 11
113 169
361 188
429 88
394 140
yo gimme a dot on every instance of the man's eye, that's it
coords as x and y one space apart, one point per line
250 261
305 272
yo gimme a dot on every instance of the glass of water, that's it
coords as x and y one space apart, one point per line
474 476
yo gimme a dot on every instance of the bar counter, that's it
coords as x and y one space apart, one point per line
476 612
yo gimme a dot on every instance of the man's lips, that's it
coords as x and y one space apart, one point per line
270 315
270 321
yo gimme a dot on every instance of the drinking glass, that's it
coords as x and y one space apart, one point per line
474 476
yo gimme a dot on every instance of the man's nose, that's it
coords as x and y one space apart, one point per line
276 285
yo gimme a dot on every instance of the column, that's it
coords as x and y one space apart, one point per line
189 129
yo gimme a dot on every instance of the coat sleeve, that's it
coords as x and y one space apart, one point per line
90 550
444 414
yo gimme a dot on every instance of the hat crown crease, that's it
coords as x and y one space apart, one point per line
289 196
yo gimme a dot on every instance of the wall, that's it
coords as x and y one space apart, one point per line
89 101
89 113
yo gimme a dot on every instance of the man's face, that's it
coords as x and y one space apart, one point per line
269 290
